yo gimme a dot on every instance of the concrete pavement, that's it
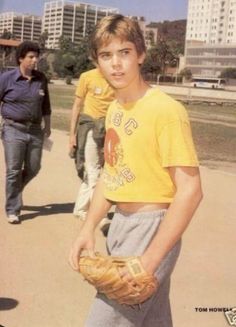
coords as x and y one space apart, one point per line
38 288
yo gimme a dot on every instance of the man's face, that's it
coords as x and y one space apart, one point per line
119 63
29 62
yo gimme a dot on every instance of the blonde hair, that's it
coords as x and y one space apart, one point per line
116 26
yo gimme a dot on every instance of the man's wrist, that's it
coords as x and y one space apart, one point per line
89 226
148 264
47 131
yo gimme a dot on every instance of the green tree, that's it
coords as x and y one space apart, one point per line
7 35
65 44
186 73
44 67
42 40
173 33
158 58
7 51
69 63
228 73
151 66
64 59
58 65
165 54
72 60
83 62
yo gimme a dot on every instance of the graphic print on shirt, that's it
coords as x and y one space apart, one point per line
117 173
97 90
41 92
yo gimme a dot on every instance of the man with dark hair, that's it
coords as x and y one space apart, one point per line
25 103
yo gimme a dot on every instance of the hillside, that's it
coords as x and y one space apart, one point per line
172 32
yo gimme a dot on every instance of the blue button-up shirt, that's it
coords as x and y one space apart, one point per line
22 99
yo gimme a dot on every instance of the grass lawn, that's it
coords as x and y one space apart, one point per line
62 96
213 126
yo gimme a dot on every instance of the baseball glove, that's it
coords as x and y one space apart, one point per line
103 272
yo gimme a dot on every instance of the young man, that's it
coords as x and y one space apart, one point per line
151 174
25 102
93 97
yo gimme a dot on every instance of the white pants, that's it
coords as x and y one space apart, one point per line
93 164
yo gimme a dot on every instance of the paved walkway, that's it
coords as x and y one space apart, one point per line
38 288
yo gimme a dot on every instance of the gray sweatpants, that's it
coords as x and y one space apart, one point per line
130 234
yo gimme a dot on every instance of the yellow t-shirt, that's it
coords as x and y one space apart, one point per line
96 92
142 140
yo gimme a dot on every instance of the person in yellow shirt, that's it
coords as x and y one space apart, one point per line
92 98
151 174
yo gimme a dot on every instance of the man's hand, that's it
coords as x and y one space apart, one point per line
47 125
120 278
47 131
85 241
72 145
77 106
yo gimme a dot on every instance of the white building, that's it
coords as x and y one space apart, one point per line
21 26
210 36
212 21
71 19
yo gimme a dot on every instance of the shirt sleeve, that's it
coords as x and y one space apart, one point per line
176 145
2 88
46 105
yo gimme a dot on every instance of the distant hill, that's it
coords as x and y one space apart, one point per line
172 32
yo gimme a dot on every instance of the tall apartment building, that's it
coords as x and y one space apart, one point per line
22 26
71 19
212 21
210 36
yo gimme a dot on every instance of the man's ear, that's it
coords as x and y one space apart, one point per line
141 58
93 61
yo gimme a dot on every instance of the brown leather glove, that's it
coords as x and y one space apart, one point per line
104 273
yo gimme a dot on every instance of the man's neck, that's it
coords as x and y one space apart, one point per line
138 91
26 73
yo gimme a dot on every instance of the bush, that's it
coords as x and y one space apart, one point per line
68 80
48 76
186 73
228 73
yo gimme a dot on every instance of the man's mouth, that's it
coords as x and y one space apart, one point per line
117 74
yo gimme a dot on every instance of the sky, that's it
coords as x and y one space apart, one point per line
152 10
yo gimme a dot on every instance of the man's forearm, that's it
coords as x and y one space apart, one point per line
73 123
78 103
98 208
47 121
175 222
47 125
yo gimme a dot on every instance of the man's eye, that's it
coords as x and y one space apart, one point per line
105 55
125 52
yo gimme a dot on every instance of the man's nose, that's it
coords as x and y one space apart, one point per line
116 60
